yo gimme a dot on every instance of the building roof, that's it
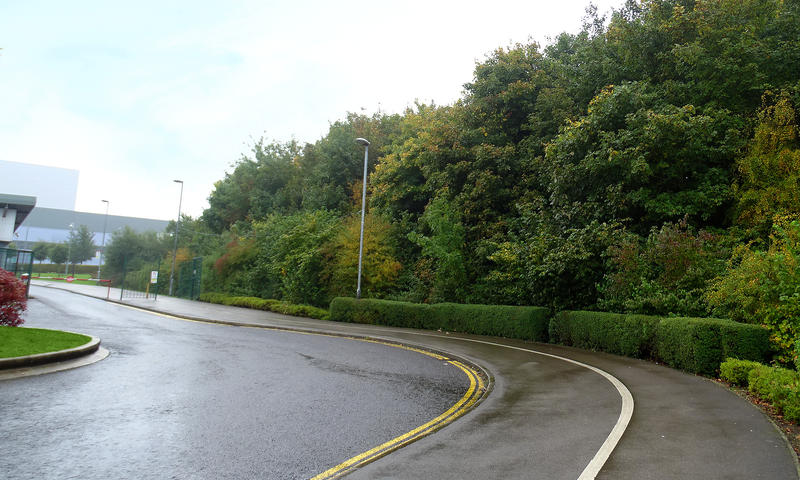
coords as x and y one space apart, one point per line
23 204
60 219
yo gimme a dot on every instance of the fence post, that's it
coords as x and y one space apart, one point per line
124 271
158 282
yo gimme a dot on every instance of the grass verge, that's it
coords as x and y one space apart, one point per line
19 341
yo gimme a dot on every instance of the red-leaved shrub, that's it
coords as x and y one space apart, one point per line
12 299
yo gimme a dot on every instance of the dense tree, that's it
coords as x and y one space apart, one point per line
129 250
81 244
57 252
40 251
769 175
614 168
380 267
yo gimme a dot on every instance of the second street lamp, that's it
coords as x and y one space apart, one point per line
365 143
103 246
175 249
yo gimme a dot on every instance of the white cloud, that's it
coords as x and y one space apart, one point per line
133 108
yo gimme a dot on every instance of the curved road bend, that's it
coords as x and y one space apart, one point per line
179 399
546 418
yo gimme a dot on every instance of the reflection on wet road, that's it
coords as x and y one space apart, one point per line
190 400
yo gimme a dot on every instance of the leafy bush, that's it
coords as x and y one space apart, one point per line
269 305
700 345
665 274
527 323
629 335
13 300
290 258
380 267
779 386
737 371
763 287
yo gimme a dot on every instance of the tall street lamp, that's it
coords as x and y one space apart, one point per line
175 248
103 245
69 250
365 142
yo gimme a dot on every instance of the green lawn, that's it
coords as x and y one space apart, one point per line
19 341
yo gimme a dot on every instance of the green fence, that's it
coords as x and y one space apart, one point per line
189 279
152 279
18 262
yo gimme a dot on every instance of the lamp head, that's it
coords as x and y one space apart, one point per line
178 181
362 141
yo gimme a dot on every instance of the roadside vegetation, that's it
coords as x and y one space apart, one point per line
13 300
645 166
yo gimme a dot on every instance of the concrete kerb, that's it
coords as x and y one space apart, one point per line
51 357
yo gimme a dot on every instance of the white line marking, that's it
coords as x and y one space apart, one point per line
625 414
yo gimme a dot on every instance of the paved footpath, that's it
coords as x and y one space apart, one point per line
549 417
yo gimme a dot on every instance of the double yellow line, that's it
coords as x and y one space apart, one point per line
475 392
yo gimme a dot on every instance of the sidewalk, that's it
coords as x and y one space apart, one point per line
683 426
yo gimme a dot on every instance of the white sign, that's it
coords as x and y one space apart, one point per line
154 276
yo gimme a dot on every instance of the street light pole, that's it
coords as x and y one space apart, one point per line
365 143
69 251
103 246
175 248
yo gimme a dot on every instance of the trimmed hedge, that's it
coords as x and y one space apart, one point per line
621 334
526 323
269 305
737 371
697 345
700 345
77 269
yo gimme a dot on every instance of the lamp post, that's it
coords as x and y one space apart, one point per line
175 248
103 245
365 143
69 250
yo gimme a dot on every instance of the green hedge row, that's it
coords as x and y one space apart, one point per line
700 345
697 345
629 335
527 323
276 306
59 269
779 386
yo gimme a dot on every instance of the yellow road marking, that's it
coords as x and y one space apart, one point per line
460 408
474 393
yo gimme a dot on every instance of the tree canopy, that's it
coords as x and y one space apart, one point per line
581 174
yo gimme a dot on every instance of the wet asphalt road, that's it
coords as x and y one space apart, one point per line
188 400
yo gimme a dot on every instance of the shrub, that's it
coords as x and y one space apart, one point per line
736 371
526 323
699 345
269 305
666 273
629 335
779 386
13 300
763 287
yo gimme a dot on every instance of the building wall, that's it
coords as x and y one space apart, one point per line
53 187
53 225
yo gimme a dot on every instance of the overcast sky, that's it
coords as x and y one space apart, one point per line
136 94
